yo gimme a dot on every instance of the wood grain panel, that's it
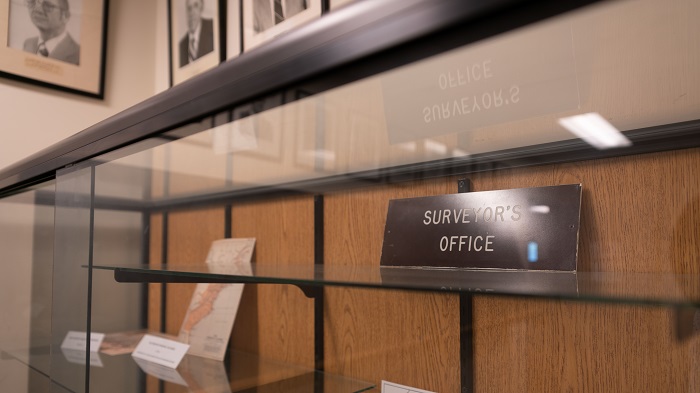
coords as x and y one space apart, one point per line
548 346
154 292
190 234
276 321
410 338
639 214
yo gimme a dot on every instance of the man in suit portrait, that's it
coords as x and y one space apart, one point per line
199 39
267 13
51 17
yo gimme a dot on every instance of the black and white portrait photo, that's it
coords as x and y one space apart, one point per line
265 19
55 43
197 34
46 28
268 13
194 37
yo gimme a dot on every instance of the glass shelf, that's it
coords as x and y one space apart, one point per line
16 376
664 289
248 373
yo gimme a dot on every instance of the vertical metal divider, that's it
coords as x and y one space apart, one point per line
319 245
466 319
145 259
146 215
319 298
91 230
164 252
146 242
228 220
145 256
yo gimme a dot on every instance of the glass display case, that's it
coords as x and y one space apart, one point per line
109 231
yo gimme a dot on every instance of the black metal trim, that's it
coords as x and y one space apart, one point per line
103 55
145 257
164 262
466 324
645 140
466 342
91 235
319 346
351 43
169 11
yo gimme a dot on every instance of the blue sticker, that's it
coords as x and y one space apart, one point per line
532 252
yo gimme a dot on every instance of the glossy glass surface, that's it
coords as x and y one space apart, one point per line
26 241
645 288
242 372
498 102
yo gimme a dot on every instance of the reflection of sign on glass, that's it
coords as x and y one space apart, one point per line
78 341
164 373
78 356
196 373
501 80
390 387
212 311
526 228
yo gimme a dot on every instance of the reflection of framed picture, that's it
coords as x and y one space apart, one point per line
233 28
194 38
54 43
261 121
265 19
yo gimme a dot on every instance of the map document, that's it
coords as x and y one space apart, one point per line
209 320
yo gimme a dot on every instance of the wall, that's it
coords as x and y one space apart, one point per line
130 77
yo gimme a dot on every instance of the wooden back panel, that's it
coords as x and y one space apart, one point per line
639 214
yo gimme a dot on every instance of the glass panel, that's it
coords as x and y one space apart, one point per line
71 281
508 102
26 241
248 373
502 99
646 288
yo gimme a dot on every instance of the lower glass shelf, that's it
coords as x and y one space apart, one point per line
241 373
662 289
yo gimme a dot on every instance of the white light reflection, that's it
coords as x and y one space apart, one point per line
542 209
595 130
435 147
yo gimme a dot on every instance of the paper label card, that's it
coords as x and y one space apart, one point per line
160 350
78 341
390 387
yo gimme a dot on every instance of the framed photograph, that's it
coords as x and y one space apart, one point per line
233 28
194 38
55 43
266 19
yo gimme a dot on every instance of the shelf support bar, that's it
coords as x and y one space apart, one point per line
466 317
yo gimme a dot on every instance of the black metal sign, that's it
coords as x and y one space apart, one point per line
526 228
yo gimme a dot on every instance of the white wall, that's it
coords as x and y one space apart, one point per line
132 74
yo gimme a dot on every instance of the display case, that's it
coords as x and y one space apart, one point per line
303 142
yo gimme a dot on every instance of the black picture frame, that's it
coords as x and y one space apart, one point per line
210 50
73 61
260 24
